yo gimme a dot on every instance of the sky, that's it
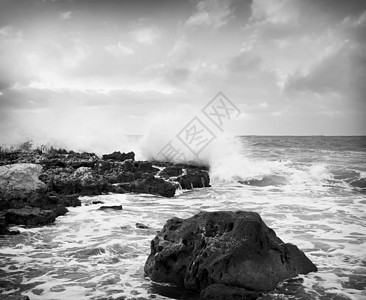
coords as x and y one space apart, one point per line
89 69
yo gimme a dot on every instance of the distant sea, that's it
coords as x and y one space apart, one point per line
310 190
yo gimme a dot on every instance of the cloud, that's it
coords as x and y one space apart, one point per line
275 12
65 15
246 61
8 34
210 13
342 71
119 50
146 35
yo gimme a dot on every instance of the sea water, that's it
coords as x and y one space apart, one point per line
310 190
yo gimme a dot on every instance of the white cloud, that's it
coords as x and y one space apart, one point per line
65 15
146 35
277 12
119 50
213 13
10 34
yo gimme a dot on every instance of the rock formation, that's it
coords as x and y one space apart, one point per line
236 249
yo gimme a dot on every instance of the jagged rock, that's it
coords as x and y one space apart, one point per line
194 179
149 185
114 207
221 291
29 216
117 155
232 248
83 181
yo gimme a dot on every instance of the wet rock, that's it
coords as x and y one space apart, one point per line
46 201
144 167
171 171
3 227
97 202
194 179
232 248
13 297
221 291
113 207
359 183
118 156
29 216
150 185
69 200
141 226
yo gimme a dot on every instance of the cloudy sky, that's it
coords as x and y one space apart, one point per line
104 68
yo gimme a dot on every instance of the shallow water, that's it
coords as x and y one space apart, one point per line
303 193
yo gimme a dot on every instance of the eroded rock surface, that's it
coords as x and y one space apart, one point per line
232 248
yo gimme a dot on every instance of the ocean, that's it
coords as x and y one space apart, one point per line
310 190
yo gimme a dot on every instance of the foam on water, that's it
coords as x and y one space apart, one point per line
95 254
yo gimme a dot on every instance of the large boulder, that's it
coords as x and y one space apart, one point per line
236 249
19 181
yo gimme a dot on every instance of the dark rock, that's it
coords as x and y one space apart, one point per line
150 185
90 183
97 202
82 163
232 248
3 224
83 181
219 291
47 201
194 179
53 163
13 297
144 167
192 167
171 171
359 183
114 207
30 216
119 156
141 226
69 200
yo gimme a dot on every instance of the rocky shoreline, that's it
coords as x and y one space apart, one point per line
220 255
36 187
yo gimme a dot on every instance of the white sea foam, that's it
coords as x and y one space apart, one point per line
94 254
